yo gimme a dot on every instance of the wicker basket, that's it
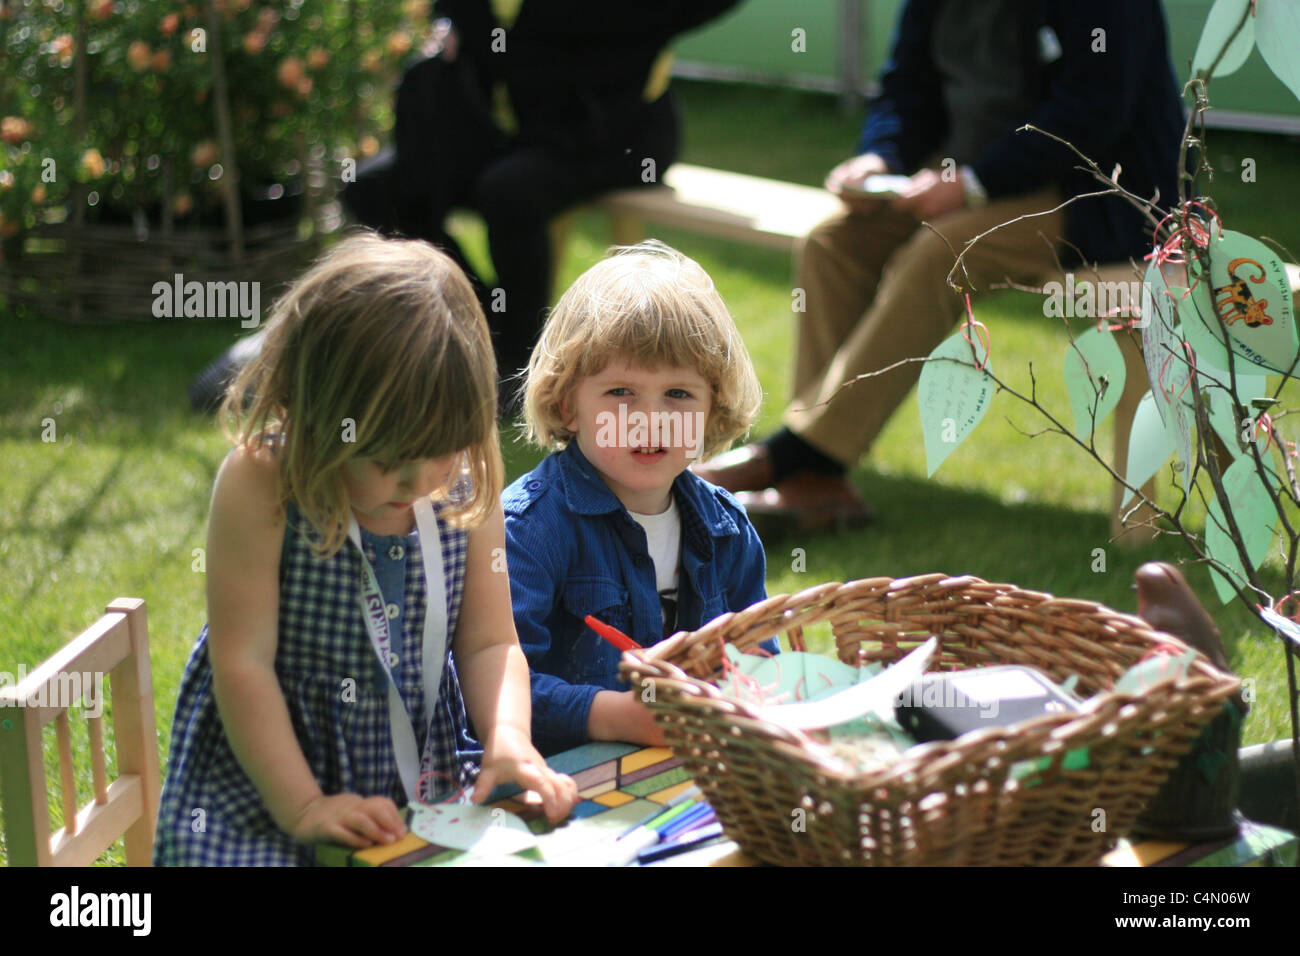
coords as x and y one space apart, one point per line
945 803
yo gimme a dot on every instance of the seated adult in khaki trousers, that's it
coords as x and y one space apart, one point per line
962 78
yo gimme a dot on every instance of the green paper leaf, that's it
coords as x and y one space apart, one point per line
789 677
1252 298
1092 358
1199 325
1222 20
1168 367
467 826
1145 674
1160 337
1277 33
1223 417
954 396
1255 515
1149 445
794 675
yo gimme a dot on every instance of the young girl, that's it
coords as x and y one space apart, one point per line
349 576
638 371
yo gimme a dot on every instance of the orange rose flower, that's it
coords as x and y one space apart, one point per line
138 55
92 164
205 154
398 43
289 72
14 130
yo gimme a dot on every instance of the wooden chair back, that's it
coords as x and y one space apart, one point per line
117 645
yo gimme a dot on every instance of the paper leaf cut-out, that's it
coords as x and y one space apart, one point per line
1201 327
1149 445
1143 675
1252 298
1283 625
954 396
1276 34
1160 338
1093 352
1169 365
468 826
788 677
1224 417
1255 516
874 696
1222 20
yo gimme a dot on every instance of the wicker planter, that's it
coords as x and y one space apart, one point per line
107 271
948 803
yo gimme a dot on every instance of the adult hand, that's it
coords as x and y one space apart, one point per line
444 40
931 196
350 819
852 172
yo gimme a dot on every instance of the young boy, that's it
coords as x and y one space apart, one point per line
639 371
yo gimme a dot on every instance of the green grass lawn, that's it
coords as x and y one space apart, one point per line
117 505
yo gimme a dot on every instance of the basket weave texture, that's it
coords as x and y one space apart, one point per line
786 800
106 272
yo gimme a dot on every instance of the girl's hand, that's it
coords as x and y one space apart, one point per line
511 757
350 819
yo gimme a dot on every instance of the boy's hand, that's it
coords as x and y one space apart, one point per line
511 757
620 715
350 819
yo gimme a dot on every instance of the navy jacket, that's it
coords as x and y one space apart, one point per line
572 550
1118 107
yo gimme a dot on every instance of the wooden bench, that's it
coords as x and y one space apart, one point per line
713 202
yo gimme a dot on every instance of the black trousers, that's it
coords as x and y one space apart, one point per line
517 188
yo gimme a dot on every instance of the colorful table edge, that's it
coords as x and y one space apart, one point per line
619 782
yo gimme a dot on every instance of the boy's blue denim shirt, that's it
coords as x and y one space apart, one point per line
573 550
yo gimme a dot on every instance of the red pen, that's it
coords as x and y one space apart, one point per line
612 634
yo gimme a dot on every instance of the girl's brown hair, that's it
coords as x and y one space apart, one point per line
654 307
380 351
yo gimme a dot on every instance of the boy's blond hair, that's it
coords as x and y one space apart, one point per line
381 351
653 307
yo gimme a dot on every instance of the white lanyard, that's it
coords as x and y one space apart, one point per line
374 610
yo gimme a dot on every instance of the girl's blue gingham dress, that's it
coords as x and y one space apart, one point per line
210 813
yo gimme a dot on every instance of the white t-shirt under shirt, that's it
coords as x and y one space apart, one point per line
663 534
